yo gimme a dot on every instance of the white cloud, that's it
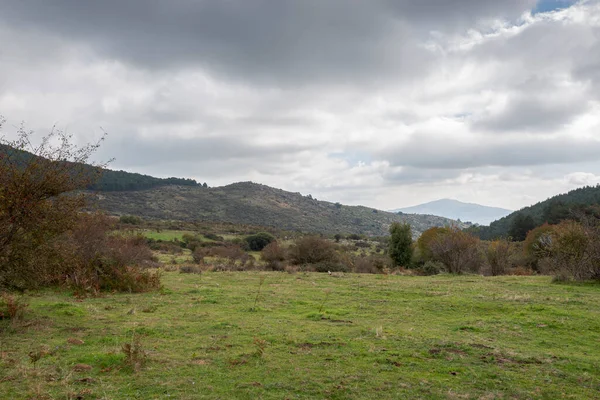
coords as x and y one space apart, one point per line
389 105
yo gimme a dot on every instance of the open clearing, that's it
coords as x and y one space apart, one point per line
310 336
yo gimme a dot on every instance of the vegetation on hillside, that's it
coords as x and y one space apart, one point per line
567 206
100 178
253 204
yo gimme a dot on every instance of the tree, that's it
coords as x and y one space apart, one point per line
259 241
38 202
457 250
424 242
521 225
400 244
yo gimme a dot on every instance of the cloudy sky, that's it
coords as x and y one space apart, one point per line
385 103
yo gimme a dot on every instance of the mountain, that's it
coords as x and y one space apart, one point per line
126 193
455 209
570 205
108 180
254 204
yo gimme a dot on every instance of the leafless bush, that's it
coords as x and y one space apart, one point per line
12 307
498 256
457 250
312 250
574 252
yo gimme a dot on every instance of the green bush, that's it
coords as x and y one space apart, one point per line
130 220
432 268
259 241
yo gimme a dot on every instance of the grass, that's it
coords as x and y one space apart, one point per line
310 336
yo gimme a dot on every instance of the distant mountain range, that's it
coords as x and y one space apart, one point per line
454 209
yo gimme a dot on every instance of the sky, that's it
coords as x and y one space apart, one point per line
383 103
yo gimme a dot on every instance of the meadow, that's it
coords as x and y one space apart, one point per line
270 335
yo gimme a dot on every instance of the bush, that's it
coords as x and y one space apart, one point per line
274 255
190 269
90 260
259 241
424 241
498 256
574 252
312 250
400 244
432 268
537 245
38 201
12 307
457 250
130 220
373 264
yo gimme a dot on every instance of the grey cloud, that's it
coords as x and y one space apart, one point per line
435 152
274 41
135 150
528 113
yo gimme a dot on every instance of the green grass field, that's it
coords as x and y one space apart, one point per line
311 336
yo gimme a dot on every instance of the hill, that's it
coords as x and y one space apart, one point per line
553 210
455 209
126 193
255 204
109 180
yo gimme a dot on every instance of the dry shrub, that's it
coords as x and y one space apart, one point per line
135 355
312 250
274 255
574 252
373 264
190 269
537 245
498 254
12 307
166 247
457 250
90 260
521 271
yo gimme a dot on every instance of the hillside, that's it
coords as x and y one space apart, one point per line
455 209
108 180
254 204
553 210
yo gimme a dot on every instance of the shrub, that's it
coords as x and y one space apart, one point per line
274 255
424 241
37 201
457 250
498 256
432 268
90 260
574 252
537 245
400 244
12 307
190 269
311 250
212 236
373 264
130 220
259 241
